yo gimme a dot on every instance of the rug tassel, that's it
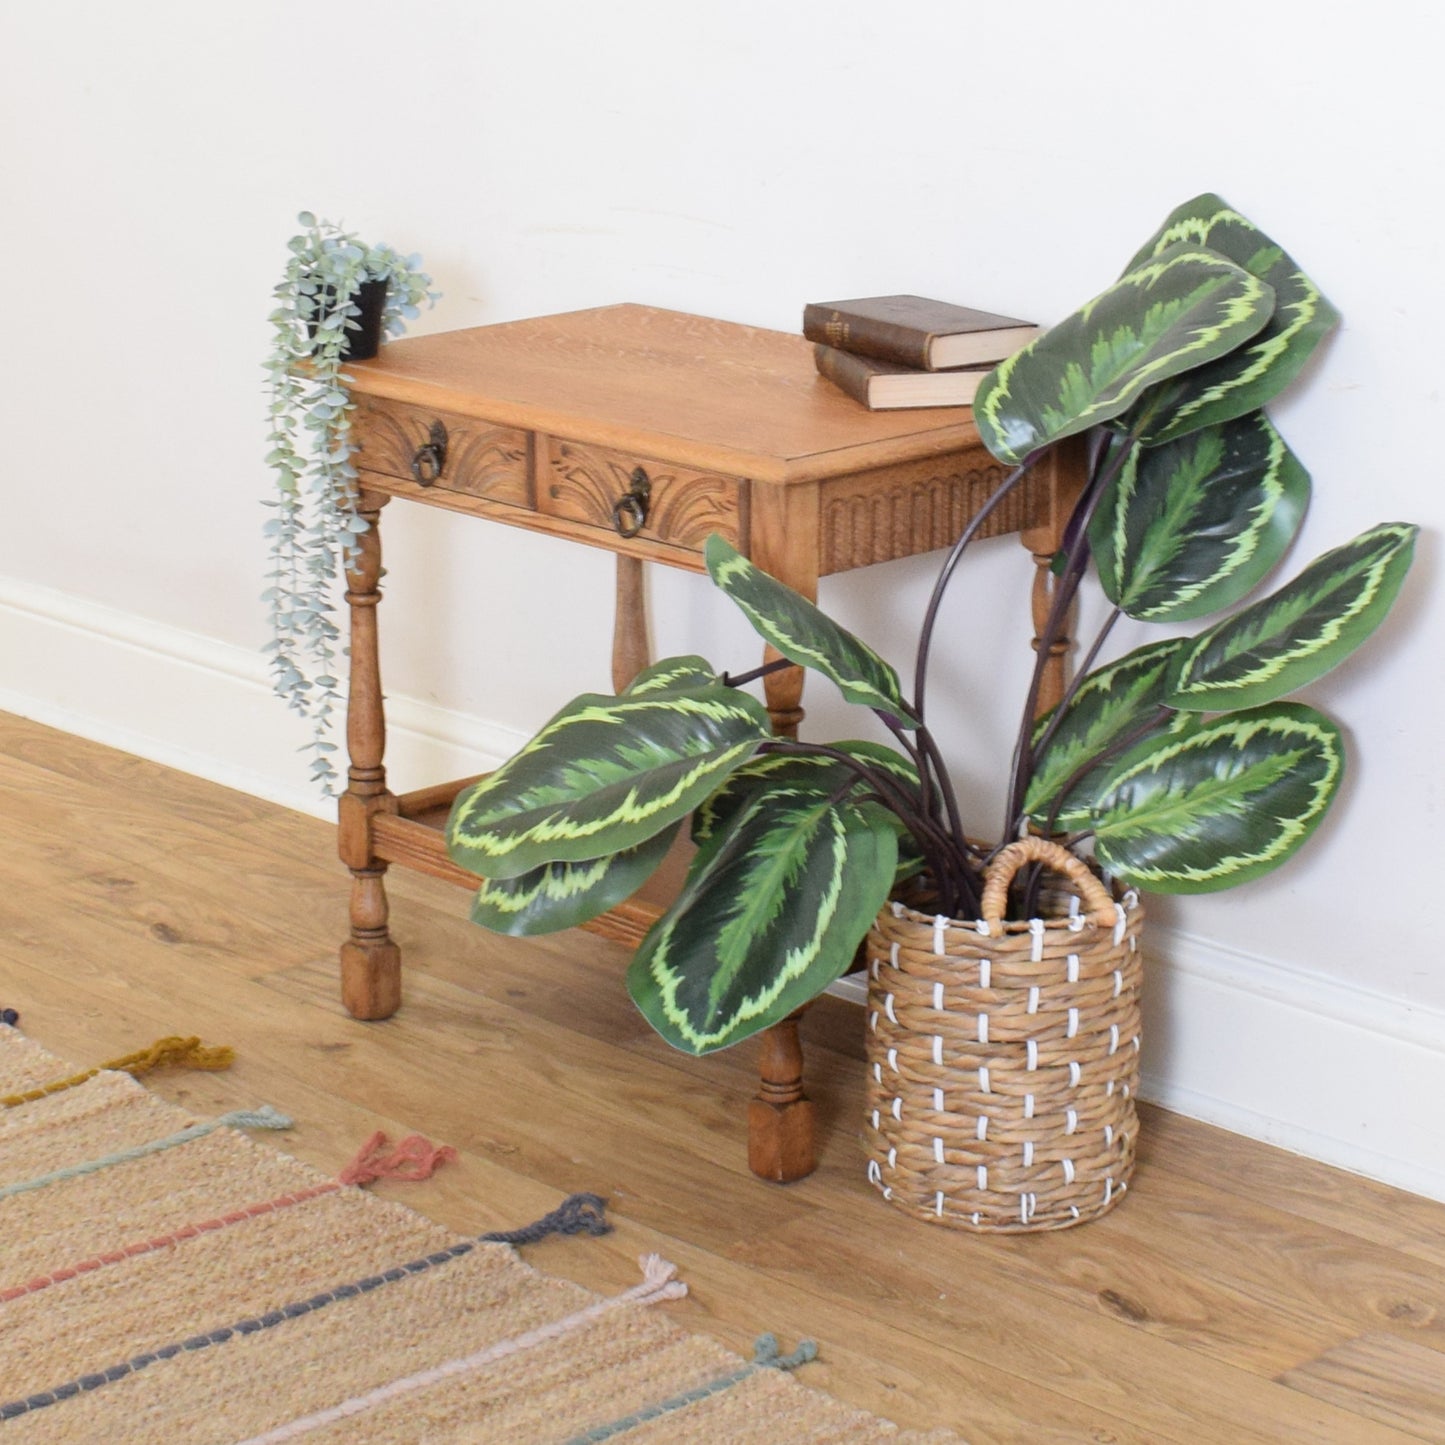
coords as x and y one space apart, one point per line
766 1352
188 1052
414 1158
576 1214
659 1280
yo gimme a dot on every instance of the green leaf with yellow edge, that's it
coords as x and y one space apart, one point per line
805 635
606 774
1298 633
1193 526
1248 377
1111 703
772 912
1219 801
562 895
1178 310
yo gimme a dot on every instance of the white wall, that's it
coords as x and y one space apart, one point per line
737 161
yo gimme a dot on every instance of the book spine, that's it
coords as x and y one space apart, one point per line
845 371
887 341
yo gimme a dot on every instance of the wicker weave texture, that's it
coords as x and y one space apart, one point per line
1002 1069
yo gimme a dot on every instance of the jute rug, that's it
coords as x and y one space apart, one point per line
165 1278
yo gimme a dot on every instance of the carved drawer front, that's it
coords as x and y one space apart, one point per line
442 449
639 497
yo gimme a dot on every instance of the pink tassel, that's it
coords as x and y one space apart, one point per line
414 1158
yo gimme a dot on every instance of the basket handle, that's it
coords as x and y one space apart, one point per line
1035 849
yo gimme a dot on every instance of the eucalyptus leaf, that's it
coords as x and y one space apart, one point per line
1178 310
310 448
1193 526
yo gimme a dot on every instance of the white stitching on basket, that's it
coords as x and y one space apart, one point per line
940 939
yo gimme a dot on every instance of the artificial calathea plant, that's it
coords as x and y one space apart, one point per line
1180 765
313 531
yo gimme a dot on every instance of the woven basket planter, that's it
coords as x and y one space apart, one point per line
1003 1057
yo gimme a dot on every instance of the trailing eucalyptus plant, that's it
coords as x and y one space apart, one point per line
1179 766
314 531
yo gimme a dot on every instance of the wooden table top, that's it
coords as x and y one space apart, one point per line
702 392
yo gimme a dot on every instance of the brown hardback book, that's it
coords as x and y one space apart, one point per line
916 331
886 386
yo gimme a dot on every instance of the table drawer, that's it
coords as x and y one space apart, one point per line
639 497
442 449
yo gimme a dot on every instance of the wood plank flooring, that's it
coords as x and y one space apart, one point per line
1238 1295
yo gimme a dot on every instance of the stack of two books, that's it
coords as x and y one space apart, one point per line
897 351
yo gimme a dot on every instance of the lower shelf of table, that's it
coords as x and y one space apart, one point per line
414 837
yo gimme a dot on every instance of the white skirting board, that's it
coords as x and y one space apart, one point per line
1341 1074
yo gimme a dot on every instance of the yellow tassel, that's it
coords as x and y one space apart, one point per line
188 1053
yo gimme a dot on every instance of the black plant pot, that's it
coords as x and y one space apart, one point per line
363 343
363 333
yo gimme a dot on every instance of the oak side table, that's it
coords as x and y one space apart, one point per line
642 431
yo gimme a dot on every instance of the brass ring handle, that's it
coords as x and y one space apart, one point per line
431 456
629 511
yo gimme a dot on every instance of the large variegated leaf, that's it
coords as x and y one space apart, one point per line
772 912
1110 703
562 895
1247 378
1219 802
805 635
1299 633
1191 527
824 777
607 773
672 674
1178 310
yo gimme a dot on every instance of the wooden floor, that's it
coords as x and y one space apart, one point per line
1237 1295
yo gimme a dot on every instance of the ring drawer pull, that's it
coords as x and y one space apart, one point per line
430 456
629 511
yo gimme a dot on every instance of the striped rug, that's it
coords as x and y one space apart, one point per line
171 1279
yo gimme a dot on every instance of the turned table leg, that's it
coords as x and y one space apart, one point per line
780 1117
370 960
631 649
1067 476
